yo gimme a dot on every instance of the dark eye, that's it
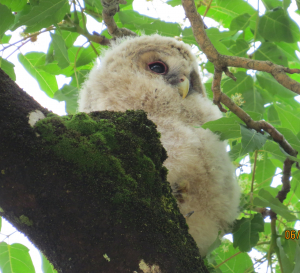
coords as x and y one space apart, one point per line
158 67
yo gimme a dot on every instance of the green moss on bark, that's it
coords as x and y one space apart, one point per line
124 152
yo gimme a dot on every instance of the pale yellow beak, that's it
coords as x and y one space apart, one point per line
184 86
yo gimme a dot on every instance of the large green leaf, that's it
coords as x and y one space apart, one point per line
46 81
162 28
60 49
245 232
242 84
235 262
251 140
265 170
6 19
267 82
14 5
276 26
265 199
45 14
240 22
289 50
288 118
224 11
8 68
130 17
15 258
225 127
69 94
270 52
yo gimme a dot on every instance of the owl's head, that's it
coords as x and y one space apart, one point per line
154 73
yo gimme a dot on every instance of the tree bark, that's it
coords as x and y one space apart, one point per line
90 191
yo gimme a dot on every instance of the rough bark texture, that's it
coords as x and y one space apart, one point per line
90 190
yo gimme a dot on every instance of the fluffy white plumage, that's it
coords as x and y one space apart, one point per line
200 171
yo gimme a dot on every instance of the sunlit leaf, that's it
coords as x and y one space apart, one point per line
14 5
46 81
8 68
276 26
15 258
265 199
45 14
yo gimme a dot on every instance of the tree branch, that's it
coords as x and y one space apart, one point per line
82 194
110 8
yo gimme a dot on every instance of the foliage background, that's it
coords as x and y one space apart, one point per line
266 33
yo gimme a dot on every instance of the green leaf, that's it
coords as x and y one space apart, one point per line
6 19
69 37
273 115
236 263
242 84
224 11
245 232
162 28
267 82
239 48
14 5
270 52
276 26
15 258
272 4
188 36
216 36
240 22
87 55
297 260
95 4
251 140
46 81
60 51
290 137
235 152
69 94
225 127
253 101
130 17
174 3
265 170
47 13
288 119
46 266
5 39
8 68
265 199
289 50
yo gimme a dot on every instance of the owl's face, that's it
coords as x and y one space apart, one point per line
154 73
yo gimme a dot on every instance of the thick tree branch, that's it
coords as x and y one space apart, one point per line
83 195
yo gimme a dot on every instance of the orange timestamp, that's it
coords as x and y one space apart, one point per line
292 234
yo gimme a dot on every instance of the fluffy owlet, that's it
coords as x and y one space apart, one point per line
160 76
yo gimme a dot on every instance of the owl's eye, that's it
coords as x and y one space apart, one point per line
158 67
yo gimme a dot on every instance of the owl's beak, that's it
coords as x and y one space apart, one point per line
184 86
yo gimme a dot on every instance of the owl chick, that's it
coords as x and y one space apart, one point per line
160 76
